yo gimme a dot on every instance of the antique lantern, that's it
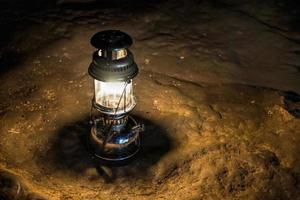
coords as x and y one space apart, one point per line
114 134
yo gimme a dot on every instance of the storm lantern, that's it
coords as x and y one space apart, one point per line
114 134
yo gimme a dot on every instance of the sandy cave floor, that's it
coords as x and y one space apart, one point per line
217 91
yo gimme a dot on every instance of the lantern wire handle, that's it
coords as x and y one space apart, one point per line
111 123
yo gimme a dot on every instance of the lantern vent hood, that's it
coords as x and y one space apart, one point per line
112 61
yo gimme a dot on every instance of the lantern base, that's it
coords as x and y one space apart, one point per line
121 146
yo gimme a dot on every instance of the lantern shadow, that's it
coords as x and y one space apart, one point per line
69 151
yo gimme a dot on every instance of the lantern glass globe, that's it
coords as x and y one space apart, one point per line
115 96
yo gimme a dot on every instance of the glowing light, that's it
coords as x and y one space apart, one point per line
114 95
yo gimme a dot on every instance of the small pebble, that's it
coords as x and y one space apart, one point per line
147 61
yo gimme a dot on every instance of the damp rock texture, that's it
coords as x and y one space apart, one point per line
218 92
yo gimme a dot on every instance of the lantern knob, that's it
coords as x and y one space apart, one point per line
111 39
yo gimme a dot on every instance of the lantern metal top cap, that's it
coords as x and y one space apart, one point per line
105 65
111 40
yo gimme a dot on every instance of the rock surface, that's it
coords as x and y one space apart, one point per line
217 91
